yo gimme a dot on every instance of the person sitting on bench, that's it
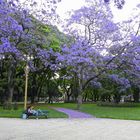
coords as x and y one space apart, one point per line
31 112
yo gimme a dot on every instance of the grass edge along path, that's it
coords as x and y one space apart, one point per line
124 113
18 113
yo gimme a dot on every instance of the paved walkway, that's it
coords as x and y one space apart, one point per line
73 113
69 129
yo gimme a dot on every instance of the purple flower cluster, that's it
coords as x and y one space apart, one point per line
121 82
18 30
78 56
96 84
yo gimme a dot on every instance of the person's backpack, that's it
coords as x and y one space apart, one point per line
24 116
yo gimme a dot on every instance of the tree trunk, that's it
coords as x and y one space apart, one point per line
34 89
80 90
117 98
79 102
39 93
68 98
50 98
11 76
79 99
85 98
136 95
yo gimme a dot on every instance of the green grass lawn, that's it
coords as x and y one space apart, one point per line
17 113
127 113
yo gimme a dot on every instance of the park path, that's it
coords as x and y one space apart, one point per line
69 129
73 113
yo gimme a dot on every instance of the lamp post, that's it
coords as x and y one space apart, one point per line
26 85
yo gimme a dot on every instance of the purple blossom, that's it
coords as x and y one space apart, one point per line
96 84
122 82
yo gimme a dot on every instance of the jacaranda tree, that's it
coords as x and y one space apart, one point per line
97 46
18 33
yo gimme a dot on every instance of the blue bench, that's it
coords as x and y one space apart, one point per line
40 113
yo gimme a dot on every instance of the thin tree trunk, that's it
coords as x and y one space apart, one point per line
33 89
11 76
79 102
79 99
85 98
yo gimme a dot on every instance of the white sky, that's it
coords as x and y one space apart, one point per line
127 11
119 15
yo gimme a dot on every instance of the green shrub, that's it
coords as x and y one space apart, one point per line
112 104
15 106
7 106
